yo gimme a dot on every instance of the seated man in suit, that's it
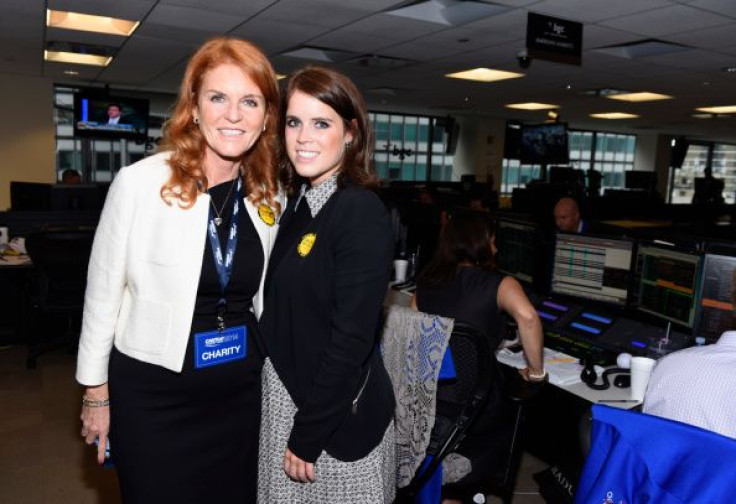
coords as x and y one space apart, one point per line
696 386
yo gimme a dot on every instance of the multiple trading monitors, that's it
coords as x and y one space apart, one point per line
690 289
592 268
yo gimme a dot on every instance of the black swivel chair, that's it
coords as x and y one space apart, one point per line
460 403
60 259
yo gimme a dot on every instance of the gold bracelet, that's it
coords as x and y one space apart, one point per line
95 403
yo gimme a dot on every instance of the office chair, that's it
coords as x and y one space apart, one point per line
635 457
60 259
460 402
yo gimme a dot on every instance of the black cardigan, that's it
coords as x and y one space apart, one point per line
320 323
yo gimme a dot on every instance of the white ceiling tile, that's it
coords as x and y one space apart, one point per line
669 20
596 11
127 9
725 7
242 8
274 37
202 19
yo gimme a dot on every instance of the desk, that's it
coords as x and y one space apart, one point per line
16 278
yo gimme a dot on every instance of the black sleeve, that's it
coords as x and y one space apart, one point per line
361 251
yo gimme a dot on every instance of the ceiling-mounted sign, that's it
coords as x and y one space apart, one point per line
554 39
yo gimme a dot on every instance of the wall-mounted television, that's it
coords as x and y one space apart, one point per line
544 144
101 115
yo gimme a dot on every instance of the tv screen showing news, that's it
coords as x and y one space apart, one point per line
104 116
544 144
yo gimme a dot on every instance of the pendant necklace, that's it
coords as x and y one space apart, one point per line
218 215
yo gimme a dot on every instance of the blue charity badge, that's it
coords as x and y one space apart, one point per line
218 347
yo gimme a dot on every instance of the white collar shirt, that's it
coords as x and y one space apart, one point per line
696 386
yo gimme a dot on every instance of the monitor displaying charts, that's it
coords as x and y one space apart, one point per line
667 283
717 300
592 268
516 241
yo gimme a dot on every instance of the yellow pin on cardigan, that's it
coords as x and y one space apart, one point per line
306 244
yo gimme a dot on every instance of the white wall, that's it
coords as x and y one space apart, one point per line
26 132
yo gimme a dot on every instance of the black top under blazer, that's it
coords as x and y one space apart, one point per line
320 325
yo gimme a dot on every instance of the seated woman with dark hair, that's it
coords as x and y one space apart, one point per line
460 282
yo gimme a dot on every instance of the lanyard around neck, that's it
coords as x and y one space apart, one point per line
224 264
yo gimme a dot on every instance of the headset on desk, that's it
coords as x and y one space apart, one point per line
590 377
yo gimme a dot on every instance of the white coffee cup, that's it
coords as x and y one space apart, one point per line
3 235
400 267
641 370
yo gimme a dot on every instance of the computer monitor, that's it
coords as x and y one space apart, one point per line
30 196
716 311
592 268
639 179
77 197
517 244
667 283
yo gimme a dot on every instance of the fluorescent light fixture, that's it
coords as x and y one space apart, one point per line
723 109
643 96
614 115
90 23
77 58
484 75
531 106
280 76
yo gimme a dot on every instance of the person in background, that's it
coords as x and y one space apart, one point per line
327 433
71 176
461 283
567 216
696 385
167 354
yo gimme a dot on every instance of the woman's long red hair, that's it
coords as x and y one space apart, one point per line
187 144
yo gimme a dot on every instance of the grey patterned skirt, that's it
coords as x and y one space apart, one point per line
370 480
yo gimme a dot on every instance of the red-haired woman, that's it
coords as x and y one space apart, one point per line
167 352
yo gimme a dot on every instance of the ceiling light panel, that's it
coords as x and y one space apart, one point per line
723 109
532 106
614 115
643 96
484 75
90 23
77 58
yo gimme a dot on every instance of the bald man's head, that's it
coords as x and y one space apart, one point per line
567 215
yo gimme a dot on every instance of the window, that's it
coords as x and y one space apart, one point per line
405 151
722 160
612 154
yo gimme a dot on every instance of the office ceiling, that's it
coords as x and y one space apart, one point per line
399 63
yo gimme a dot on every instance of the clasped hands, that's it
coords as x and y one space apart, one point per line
297 469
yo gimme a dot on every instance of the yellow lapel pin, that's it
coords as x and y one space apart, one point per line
266 214
305 245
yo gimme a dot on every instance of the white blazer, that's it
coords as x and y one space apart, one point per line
144 272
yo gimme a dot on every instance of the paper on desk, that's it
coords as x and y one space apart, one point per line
563 369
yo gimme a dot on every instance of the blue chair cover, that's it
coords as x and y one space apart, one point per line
638 458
